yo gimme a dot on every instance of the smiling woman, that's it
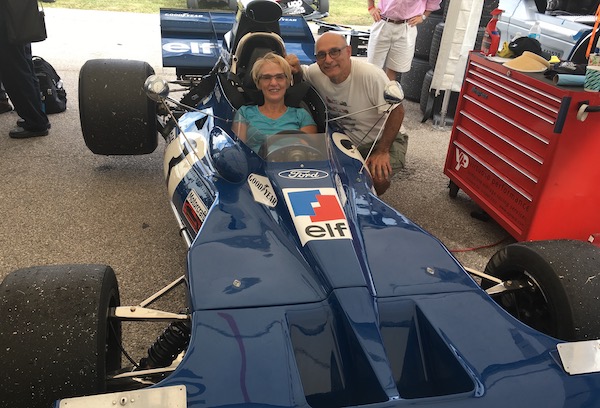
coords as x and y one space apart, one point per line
254 124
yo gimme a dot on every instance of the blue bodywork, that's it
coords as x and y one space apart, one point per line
307 290
385 318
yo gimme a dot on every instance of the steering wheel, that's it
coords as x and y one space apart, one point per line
298 150
293 153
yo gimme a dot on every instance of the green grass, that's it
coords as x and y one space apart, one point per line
346 12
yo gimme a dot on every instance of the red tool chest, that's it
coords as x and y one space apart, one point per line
527 151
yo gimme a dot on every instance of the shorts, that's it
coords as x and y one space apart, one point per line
392 45
397 151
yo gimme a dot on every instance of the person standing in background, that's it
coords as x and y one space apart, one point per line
394 32
21 85
5 106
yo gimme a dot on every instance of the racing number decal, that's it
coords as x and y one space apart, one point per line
317 214
178 161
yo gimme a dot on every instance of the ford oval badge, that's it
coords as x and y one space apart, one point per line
303 174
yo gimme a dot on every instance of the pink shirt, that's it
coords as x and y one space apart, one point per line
405 9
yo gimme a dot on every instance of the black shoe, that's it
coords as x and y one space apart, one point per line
20 133
21 123
5 106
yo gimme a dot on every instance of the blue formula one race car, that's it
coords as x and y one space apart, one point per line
303 288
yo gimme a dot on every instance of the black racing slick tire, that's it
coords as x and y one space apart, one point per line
117 118
424 100
436 42
57 338
425 36
412 81
562 282
323 6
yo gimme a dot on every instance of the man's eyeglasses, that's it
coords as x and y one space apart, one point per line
268 77
333 53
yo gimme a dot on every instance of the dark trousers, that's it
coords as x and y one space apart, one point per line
2 91
20 82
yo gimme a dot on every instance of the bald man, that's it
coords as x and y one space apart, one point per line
350 85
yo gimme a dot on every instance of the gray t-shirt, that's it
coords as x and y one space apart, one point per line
363 89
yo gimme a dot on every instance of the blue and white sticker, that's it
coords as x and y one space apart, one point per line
303 174
261 189
179 159
317 214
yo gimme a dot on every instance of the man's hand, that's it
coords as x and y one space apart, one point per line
294 62
416 20
375 13
379 166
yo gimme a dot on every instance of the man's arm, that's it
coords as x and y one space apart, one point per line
379 161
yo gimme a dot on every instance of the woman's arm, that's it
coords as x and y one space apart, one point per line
309 129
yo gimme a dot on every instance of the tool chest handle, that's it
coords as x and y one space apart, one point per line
584 109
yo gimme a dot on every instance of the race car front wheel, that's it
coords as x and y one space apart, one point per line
56 335
117 117
553 286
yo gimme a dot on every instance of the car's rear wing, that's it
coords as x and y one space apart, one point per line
193 40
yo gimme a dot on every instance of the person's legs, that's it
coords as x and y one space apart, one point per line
402 51
397 159
5 106
16 69
398 152
379 43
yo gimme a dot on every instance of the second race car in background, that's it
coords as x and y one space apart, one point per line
309 9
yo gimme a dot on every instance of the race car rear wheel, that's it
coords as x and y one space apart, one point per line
323 6
57 339
117 118
561 281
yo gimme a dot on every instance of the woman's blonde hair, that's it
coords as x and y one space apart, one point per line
274 59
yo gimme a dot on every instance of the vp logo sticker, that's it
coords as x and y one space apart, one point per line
462 160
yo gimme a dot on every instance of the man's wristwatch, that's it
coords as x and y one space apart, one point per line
424 17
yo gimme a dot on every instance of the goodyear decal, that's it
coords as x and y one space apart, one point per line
194 210
262 191
317 214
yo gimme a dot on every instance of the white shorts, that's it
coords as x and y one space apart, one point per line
392 45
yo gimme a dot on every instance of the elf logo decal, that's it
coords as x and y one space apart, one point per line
462 160
191 47
317 214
